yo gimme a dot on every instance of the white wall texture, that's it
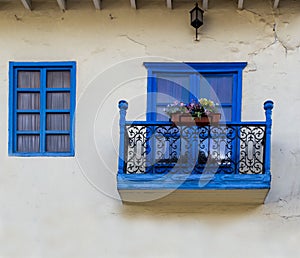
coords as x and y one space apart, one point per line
69 207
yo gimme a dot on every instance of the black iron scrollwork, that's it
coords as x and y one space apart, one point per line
226 149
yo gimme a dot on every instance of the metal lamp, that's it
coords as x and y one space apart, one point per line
196 18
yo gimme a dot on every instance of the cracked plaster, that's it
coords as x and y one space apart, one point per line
55 211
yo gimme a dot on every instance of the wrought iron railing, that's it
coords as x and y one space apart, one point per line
225 148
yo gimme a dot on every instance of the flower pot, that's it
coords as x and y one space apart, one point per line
214 118
201 121
187 119
175 118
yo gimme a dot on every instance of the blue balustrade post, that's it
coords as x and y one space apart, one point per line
268 106
123 106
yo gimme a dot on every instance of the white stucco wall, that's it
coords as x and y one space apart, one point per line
66 207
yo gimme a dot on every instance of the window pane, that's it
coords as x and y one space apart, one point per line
226 115
28 143
28 79
58 122
58 143
58 100
160 114
217 87
171 88
28 101
58 79
28 122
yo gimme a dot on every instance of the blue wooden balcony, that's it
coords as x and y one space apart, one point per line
221 163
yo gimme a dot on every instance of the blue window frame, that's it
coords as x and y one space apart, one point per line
220 82
41 108
169 82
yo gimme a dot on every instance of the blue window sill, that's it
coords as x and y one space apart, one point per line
48 154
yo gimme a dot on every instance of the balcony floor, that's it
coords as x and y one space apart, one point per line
194 189
194 197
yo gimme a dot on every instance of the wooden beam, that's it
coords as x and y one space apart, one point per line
241 4
97 4
276 3
169 4
27 4
205 4
62 4
133 3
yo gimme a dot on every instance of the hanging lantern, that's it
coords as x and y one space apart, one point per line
196 18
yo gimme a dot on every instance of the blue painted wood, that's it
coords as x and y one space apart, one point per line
43 67
11 109
123 106
193 182
47 154
191 67
239 91
62 132
268 106
43 101
34 65
235 68
166 123
49 111
149 96
73 107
